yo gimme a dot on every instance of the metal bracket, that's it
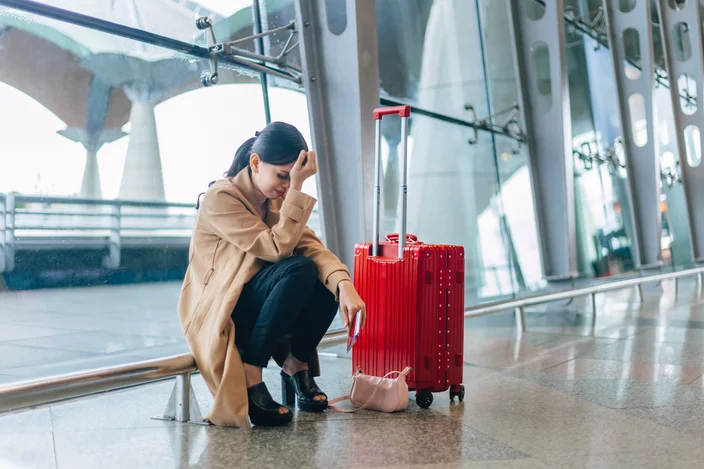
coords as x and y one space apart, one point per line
183 405
597 30
257 61
672 175
510 127
588 156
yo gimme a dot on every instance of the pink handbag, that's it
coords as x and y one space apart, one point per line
383 394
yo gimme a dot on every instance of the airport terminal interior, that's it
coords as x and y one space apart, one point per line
555 142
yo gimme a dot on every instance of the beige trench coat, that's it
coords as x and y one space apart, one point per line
236 233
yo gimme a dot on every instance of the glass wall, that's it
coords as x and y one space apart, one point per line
601 195
463 188
105 145
604 210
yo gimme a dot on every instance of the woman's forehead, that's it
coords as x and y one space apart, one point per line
284 167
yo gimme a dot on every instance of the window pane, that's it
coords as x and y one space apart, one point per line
121 120
430 55
275 14
452 199
171 18
521 238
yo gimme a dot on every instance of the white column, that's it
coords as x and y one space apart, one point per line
90 187
92 142
142 177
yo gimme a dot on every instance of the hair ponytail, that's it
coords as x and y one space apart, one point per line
241 160
277 144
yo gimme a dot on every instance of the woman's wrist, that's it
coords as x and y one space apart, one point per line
297 185
344 283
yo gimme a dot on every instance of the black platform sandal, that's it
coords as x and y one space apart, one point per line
263 410
302 387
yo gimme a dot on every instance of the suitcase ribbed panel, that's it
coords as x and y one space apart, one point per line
412 303
455 288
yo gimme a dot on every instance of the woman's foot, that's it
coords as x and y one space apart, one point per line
298 383
263 410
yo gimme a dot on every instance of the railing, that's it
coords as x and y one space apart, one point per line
182 405
519 304
38 222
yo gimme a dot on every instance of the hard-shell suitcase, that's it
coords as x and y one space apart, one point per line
414 294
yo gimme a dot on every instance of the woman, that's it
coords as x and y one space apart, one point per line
257 273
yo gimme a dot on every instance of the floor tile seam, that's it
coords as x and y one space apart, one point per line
559 364
695 379
111 331
56 457
654 384
683 406
63 330
55 349
597 347
16 341
51 418
58 349
71 431
134 358
95 354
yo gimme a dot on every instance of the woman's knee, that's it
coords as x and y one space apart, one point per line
302 267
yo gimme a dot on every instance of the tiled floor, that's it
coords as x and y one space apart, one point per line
630 394
49 332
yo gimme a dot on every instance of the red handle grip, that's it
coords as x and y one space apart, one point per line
403 111
410 238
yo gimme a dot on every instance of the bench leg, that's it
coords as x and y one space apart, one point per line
183 405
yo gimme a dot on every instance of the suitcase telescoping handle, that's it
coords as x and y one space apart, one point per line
379 113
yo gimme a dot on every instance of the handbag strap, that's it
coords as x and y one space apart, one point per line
376 388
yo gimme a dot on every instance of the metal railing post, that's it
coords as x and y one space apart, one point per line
115 241
521 318
3 211
9 245
182 405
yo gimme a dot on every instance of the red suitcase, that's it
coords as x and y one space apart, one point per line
414 294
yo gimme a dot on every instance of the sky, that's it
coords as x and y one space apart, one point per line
198 134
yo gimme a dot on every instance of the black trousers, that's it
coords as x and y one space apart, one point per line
283 298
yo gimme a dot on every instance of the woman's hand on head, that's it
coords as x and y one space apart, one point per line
351 304
305 167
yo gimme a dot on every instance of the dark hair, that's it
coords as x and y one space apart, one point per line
278 144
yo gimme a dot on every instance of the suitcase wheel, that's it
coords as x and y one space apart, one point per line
457 391
424 398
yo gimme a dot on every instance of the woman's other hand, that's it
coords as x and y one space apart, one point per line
351 304
304 168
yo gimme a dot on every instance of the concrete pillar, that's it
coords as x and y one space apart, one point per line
142 177
144 82
92 142
90 186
